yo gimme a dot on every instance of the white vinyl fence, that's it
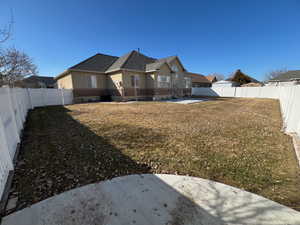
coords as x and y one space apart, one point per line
14 105
289 98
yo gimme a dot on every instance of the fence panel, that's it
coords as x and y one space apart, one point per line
14 105
52 97
15 108
204 91
67 96
7 112
292 117
5 160
288 97
37 97
228 91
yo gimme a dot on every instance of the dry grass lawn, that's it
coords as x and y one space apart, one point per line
234 141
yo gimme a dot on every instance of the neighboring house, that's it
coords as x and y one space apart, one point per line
241 78
288 78
252 85
211 78
199 80
36 82
225 83
131 76
238 79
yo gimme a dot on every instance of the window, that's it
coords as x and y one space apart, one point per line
163 81
187 82
94 81
174 68
135 81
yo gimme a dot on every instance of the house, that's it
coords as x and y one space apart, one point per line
225 83
240 78
36 82
199 80
252 85
237 79
131 76
211 78
289 78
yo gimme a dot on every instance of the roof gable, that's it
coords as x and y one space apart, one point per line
171 59
211 78
156 65
242 78
133 60
119 62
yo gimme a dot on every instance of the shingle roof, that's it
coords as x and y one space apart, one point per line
288 76
133 60
154 66
98 62
198 78
211 77
169 59
238 73
46 80
119 62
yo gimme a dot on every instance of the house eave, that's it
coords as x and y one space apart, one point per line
121 69
61 75
66 72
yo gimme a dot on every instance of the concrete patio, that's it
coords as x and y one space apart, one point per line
155 199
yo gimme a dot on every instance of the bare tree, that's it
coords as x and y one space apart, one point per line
5 32
15 65
218 76
274 73
4 35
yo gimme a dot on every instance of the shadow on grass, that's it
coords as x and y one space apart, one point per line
58 153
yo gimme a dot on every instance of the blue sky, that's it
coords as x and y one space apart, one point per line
208 36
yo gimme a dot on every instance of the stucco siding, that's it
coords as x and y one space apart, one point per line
127 79
150 80
114 80
101 81
83 80
65 82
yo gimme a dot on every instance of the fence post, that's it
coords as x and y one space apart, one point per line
44 96
29 97
62 97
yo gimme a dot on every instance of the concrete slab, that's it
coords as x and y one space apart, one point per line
155 200
186 101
